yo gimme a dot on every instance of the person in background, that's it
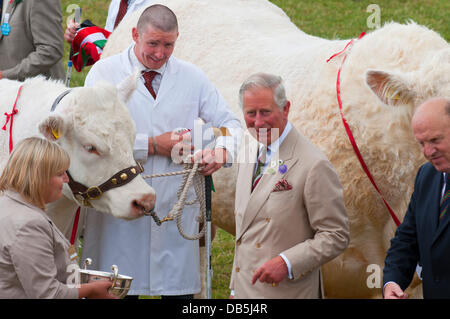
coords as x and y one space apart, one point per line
34 255
424 235
118 10
289 205
31 41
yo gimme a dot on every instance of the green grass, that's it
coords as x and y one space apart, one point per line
347 18
222 253
328 19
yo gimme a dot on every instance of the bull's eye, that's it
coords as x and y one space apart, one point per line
91 149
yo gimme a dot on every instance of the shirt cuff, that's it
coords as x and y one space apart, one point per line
288 265
384 286
140 149
229 162
228 143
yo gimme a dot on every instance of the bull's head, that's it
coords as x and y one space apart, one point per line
94 126
432 79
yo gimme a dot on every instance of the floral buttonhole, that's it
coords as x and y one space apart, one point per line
282 168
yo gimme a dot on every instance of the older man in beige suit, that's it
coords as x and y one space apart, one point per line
34 43
290 213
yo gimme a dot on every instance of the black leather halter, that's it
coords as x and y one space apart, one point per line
85 194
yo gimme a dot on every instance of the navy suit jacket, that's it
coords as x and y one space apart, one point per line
422 237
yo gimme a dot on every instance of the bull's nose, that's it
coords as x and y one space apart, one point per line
146 202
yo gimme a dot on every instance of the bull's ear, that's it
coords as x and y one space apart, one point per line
52 127
390 88
128 85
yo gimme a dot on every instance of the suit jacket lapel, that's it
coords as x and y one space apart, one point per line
438 225
259 196
246 159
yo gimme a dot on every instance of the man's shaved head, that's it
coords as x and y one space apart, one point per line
159 17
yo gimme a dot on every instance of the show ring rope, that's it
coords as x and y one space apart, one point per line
190 175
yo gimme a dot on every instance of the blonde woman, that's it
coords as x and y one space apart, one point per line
34 255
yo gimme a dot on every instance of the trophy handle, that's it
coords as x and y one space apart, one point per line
115 270
87 261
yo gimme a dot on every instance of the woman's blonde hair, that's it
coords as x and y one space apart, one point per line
31 165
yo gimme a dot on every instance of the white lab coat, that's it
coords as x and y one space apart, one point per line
133 5
159 259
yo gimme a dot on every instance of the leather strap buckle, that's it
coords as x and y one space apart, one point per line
93 192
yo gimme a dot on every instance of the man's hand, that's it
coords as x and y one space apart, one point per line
165 145
71 31
393 291
211 160
271 272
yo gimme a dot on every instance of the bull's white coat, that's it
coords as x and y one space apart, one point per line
86 116
231 39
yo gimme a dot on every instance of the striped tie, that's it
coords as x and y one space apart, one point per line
259 169
445 202
148 77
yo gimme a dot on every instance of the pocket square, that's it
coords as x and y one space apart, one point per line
282 185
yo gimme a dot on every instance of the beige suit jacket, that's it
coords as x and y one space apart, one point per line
33 253
308 223
35 44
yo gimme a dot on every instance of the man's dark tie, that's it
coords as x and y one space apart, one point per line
259 169
148 77
122 11
445 202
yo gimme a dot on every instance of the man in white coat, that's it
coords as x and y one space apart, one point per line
120 9
159 259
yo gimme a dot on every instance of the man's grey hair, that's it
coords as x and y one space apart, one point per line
268 81
159 17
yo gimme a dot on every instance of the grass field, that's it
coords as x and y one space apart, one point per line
328 19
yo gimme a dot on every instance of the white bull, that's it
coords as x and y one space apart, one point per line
93 125
386 74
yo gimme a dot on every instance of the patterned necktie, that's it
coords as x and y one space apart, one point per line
445 202
148 77
122 11
259 169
